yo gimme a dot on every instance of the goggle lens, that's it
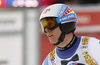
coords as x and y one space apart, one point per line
49 23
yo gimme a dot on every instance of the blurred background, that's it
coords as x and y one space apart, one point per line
21 40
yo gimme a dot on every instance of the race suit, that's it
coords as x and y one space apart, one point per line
85 51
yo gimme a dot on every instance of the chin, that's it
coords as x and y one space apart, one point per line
53 42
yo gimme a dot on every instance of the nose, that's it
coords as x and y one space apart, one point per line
47 30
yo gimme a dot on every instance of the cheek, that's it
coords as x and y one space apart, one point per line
56 36
58 33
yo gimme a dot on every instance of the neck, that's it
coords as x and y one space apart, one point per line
68 38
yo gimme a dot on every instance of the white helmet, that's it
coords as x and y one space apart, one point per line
59 15
65 16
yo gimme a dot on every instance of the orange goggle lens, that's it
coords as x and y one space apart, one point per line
49 23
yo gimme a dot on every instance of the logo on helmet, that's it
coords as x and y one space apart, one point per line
46 11
67 17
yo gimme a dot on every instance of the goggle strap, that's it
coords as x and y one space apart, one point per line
61 38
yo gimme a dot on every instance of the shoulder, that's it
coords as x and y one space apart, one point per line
45 62
94 42
90 40
94 48
49 57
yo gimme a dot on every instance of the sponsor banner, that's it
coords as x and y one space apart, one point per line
88 18
2 3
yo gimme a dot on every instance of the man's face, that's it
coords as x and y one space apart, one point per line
53 35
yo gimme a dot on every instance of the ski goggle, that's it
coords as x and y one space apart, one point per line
49 22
